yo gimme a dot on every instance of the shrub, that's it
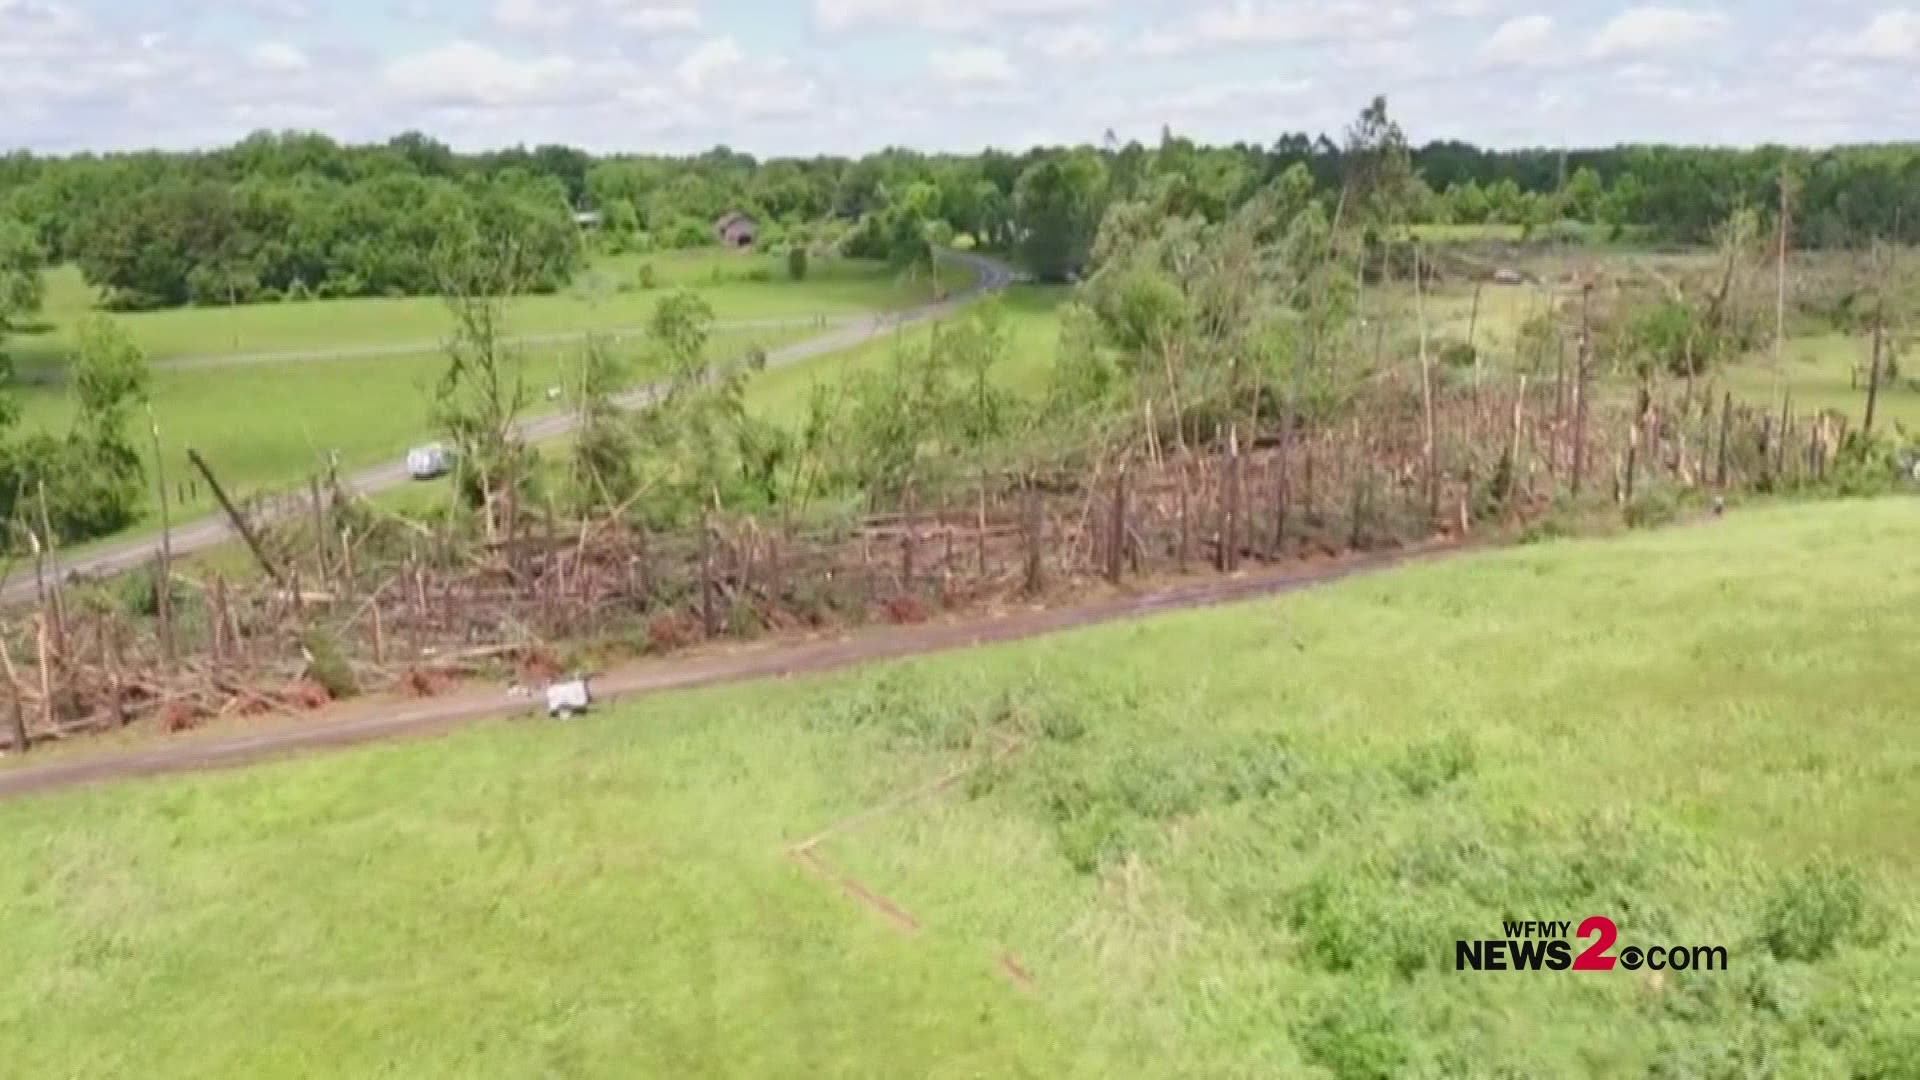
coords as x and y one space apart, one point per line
647 276
797 263
327 666
1872 464
1811 913
1652 509
1459 355
138 593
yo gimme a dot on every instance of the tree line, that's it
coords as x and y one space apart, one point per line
298 214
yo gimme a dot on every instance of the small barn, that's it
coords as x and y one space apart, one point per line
737 230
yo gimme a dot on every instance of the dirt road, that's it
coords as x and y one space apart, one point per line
380 721
188 537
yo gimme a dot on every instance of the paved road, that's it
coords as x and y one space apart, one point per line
415 348
990 275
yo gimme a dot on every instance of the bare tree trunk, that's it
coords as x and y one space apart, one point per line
55 601
1513 450
1281 486
110 656
1581 366
1426 391
238 519
163 583
1726 434
1780 285
1873 373
322 568
709 615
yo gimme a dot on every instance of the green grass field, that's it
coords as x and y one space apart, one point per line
1033 337
606 296
1239 842
264 427
1819 371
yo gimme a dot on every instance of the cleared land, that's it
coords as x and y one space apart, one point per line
267 425
608 295
1237 842
1822 371
1033 338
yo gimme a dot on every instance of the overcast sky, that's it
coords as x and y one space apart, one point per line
806 76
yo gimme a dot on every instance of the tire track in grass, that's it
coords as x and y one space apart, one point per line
807 854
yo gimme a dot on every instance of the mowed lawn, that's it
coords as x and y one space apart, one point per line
1032 320
1239 842
607 295
266 427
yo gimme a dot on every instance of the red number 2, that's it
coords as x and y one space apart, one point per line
1596 958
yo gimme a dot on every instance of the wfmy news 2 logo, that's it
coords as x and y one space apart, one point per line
1549 946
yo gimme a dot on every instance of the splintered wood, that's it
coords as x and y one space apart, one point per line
406 607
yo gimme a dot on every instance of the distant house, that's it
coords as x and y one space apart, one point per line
736 230
589 219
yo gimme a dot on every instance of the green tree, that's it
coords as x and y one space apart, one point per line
92 478
1582 198
22 273
1057 208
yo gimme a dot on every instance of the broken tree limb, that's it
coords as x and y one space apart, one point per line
239 520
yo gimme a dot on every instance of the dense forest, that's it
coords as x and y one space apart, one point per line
297 214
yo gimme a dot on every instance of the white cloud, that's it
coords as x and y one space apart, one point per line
466 74
709 60
972 66
1275 22
941 15
277 56
1889 35
1216 97
1522 40
655 18
551 16
521 16
1657 29
1078 43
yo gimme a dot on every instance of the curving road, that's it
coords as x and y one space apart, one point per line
990 275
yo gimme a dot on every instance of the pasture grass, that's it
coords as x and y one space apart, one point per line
1032 322
1238 842
606 296
265 427
1820 371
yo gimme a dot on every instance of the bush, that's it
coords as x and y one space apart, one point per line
1652 509
1810 914
137 593
327 666
647 276
797 263
1873 464
1459 355
687 233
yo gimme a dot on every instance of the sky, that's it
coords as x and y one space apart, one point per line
776 77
